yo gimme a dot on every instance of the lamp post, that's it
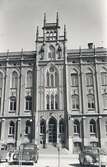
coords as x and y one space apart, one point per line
59 149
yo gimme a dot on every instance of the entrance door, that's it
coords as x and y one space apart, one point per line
52 130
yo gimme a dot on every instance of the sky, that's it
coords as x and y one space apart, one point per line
85 20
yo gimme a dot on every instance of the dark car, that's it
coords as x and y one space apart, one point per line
89 155
27 153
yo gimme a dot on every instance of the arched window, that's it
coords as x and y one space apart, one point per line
91 101
51 54
92 127
29 79
89 79
74 79
12 128
105 101
47 99
14 80
1 80
104 78
61 126
13 103
28 103
76 127
52 77
75 102
28 127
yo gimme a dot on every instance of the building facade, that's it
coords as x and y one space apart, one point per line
54 95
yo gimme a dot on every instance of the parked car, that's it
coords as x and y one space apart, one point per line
3 153
91 155
27 153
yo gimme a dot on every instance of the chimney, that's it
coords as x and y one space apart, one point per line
90 45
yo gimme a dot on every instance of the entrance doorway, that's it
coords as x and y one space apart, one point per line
52 131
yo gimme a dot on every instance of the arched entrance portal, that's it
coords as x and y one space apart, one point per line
52 138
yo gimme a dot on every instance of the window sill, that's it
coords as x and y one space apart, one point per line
9 135
12 111
27 111
91 109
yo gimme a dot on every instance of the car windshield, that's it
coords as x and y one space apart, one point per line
91 149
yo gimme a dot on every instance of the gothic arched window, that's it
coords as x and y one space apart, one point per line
51 54
52 77
14 80
29 79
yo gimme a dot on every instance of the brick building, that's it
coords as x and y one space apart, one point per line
53 94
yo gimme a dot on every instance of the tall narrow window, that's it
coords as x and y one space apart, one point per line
28 127
104 78
89 79
28 103
91 101
52 80
51 52
76 127
14 80
56 101
12 103
105 101
92 127
12 128
61 126
42 126
47 99
75 102
52 102
29 79
47 78
74 79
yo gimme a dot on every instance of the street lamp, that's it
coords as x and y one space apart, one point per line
59 149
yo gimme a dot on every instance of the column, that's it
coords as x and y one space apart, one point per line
47 132
3 131
58 135
19 132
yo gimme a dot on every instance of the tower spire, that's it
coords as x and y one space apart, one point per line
37 33
64 32
44 19
57 19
